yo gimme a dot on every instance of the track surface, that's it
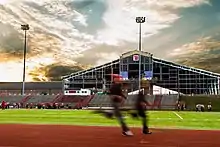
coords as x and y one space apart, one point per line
76 136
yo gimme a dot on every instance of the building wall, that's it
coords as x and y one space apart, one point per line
184 81
98 77
31 87
166 74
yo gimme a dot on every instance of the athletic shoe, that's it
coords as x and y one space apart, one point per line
127 133
146 132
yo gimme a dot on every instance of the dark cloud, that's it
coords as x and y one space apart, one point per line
210 64
11 41
54 72
204 54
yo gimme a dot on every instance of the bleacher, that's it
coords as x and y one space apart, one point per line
12 99
40 99
169 101
100 101
153 101
72 100
28 92
69 99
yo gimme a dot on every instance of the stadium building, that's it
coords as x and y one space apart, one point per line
161 73
15 88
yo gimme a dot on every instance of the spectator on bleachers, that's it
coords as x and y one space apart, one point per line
27 106
178 105
43 106
200 107
4 104
19 105
183 106
209 106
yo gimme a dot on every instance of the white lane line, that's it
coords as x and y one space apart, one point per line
177 115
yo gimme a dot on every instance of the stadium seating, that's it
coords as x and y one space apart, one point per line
86 101
70 99
74 101
169 101
25 99
100 101
153 101
29 92
40 99
97 100
12 99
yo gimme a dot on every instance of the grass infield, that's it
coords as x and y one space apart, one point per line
157 119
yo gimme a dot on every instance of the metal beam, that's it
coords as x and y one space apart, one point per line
186 68
89 70
155 60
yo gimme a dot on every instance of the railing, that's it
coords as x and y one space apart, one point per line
58 97
25 99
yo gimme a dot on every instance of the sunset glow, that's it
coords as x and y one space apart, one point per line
70 33
13 70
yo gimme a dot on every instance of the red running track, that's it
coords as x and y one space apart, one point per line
76 136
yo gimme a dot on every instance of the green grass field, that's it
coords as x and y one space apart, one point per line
158 119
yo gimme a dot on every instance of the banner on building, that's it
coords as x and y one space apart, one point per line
116 77
124 75
148 74
135 57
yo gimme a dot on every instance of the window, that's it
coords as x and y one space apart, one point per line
125 60
165 70
133 67
147 60
157 70
124 68
165 77
147 67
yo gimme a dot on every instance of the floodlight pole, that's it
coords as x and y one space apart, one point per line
25 28
140 20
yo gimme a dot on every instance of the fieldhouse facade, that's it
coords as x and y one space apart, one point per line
183 79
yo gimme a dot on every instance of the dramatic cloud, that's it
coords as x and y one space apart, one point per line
204 54
79 31
121 31
53 72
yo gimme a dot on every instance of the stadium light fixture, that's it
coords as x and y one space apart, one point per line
140 20
25 28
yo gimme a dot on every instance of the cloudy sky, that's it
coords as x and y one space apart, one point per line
68 35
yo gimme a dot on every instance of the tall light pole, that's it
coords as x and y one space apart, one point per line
25 28
140 20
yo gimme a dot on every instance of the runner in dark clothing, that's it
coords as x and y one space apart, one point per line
140 107
117 97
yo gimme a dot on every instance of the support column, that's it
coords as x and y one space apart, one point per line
218 85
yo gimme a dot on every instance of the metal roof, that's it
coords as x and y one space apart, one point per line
155 60
31 85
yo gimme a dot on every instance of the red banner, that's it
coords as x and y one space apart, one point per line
116 77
